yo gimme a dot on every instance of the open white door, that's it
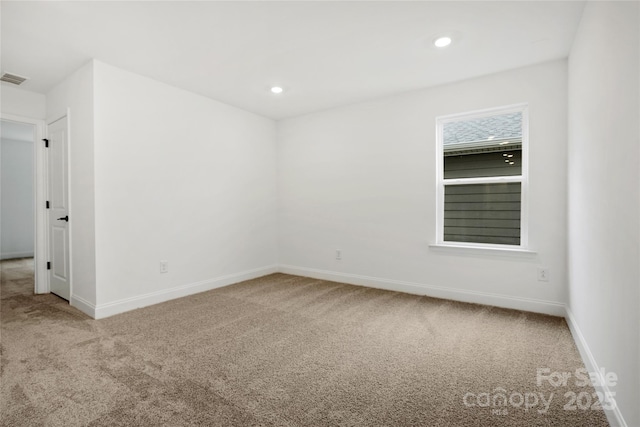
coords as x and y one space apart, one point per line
58 208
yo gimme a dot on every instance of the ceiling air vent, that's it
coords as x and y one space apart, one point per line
12 78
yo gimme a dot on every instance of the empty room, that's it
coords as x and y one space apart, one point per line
320 213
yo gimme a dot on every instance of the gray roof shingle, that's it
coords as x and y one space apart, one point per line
500 127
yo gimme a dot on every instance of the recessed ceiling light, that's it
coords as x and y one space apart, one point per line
443 41
276 89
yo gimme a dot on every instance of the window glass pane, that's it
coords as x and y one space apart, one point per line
482 213
485 146
502 162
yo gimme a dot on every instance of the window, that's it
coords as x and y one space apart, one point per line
482 178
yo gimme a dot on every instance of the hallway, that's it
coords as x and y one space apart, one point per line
16 277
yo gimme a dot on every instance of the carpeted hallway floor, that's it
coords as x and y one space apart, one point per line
283 351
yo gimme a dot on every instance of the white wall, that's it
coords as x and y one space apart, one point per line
604 199
17 198
20 102
182 178
75 96
362 179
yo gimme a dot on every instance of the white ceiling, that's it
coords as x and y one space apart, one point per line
324 53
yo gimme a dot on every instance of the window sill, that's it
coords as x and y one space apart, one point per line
462 249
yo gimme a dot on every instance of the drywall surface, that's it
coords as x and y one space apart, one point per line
604 199
17 193
74 98
362 179
179 178
20 102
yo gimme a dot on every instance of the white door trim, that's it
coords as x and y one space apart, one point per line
41 243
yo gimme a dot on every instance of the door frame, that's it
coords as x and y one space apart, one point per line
41 238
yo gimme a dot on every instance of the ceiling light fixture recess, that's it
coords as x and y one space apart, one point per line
276 89
442 41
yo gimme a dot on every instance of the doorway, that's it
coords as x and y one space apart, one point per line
28 131
17 206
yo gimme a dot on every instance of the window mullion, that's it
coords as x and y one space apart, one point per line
482 180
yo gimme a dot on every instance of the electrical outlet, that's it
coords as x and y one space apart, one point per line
164 266
543 274
338 254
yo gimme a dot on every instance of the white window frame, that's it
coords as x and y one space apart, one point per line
522 179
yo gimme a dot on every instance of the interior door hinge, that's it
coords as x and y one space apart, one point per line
47 204
48 265
46 142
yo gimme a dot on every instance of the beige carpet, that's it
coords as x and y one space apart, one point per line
282 350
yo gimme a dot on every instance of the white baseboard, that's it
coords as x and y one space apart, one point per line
614 416
83 305
12 255
505 301
527 304
127 304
